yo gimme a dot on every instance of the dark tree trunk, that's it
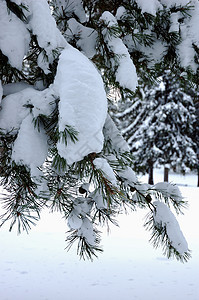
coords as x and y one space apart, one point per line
198 177
166 174
150 181
198 161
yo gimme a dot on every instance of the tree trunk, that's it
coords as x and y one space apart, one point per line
198 159
198 177
166 174
150 181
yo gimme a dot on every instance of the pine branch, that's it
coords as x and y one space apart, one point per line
17 10
69 132
84 249
159 237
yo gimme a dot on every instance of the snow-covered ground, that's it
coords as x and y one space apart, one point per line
36 266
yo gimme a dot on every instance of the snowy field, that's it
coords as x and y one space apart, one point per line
36 266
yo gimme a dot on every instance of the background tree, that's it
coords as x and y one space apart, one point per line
59 147
197 139
195 136
194 93
159 126
133 116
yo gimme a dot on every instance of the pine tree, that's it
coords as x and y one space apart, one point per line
195 136
161 133
58 146
175 139
195 96
132 115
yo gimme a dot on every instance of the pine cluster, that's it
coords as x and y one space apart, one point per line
50 47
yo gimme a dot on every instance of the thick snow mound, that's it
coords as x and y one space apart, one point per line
126 72
150 7
30 147
44 26
49 37
169 189
87 37
103 165
15 106
189 35
114 136
129 175
12 111
82 105
164 216
14 37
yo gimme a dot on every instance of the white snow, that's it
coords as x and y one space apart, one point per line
12 112
83 104
190 35
165 217
74 221
129 175
78 220
143 187
13 106
36 266
87 37
14 87
81 206
43 25
86 230
156 52
150 7
78 9
112 133
126 73
14 37
103 165
170 3
108 19
169 189
174 22
41 100
75 7
99 200
17 113
120 12
18 2
43 62
30 147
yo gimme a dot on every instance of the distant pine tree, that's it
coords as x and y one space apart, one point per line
159 126
196 135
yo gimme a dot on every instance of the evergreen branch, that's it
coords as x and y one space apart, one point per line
17 10
59 163
171 197
70 132
104 216
160 237
84 249
21 206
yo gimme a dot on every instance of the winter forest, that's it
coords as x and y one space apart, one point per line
92 94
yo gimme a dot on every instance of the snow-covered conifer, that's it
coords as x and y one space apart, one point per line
59 147
160 126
